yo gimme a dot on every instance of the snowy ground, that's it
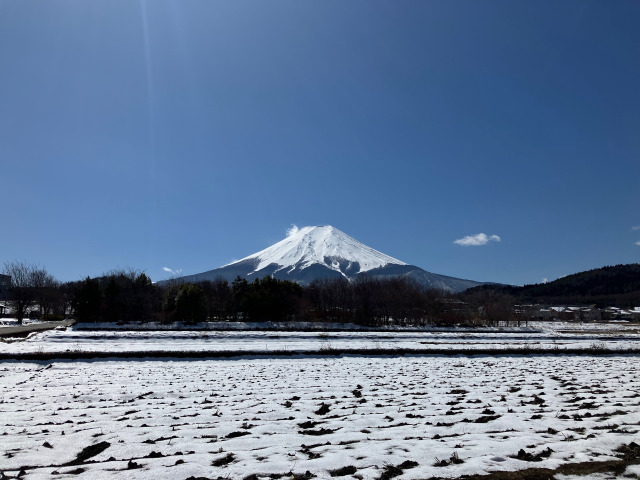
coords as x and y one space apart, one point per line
361 417
542 336
234 418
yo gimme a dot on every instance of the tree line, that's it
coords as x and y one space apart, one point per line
617 285
131 296
32 286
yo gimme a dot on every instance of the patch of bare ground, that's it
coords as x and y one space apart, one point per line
206 478
219 462
628 455
288 476
389 471
343 471
88 452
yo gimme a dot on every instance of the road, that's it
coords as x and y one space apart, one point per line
20 330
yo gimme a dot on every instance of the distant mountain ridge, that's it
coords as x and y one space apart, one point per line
607 285
319 252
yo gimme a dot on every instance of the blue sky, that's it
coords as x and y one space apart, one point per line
186 134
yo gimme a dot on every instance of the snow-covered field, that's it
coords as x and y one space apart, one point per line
540 336
276 416
315 415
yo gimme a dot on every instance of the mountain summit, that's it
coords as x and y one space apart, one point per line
311 253
324 245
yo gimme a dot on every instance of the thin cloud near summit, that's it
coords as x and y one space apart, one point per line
292 230
172 271
477 240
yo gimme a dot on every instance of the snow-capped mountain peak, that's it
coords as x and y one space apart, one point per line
325 245
324 252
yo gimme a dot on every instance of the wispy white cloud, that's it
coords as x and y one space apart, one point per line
636 227
171 271
638 243
292 230
477 240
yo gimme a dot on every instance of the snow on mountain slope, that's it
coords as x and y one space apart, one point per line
324 252
324 245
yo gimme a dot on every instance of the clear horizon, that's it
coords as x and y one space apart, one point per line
492 141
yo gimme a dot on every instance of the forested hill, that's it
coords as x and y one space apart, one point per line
616 285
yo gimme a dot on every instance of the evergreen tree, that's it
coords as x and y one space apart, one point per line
191 304
88 300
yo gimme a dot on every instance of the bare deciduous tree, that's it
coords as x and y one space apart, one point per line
24 291
46 291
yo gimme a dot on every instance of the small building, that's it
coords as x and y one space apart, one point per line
615 313
573 314
545 314
588 314
563 313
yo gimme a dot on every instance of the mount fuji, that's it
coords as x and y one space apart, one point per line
311 253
